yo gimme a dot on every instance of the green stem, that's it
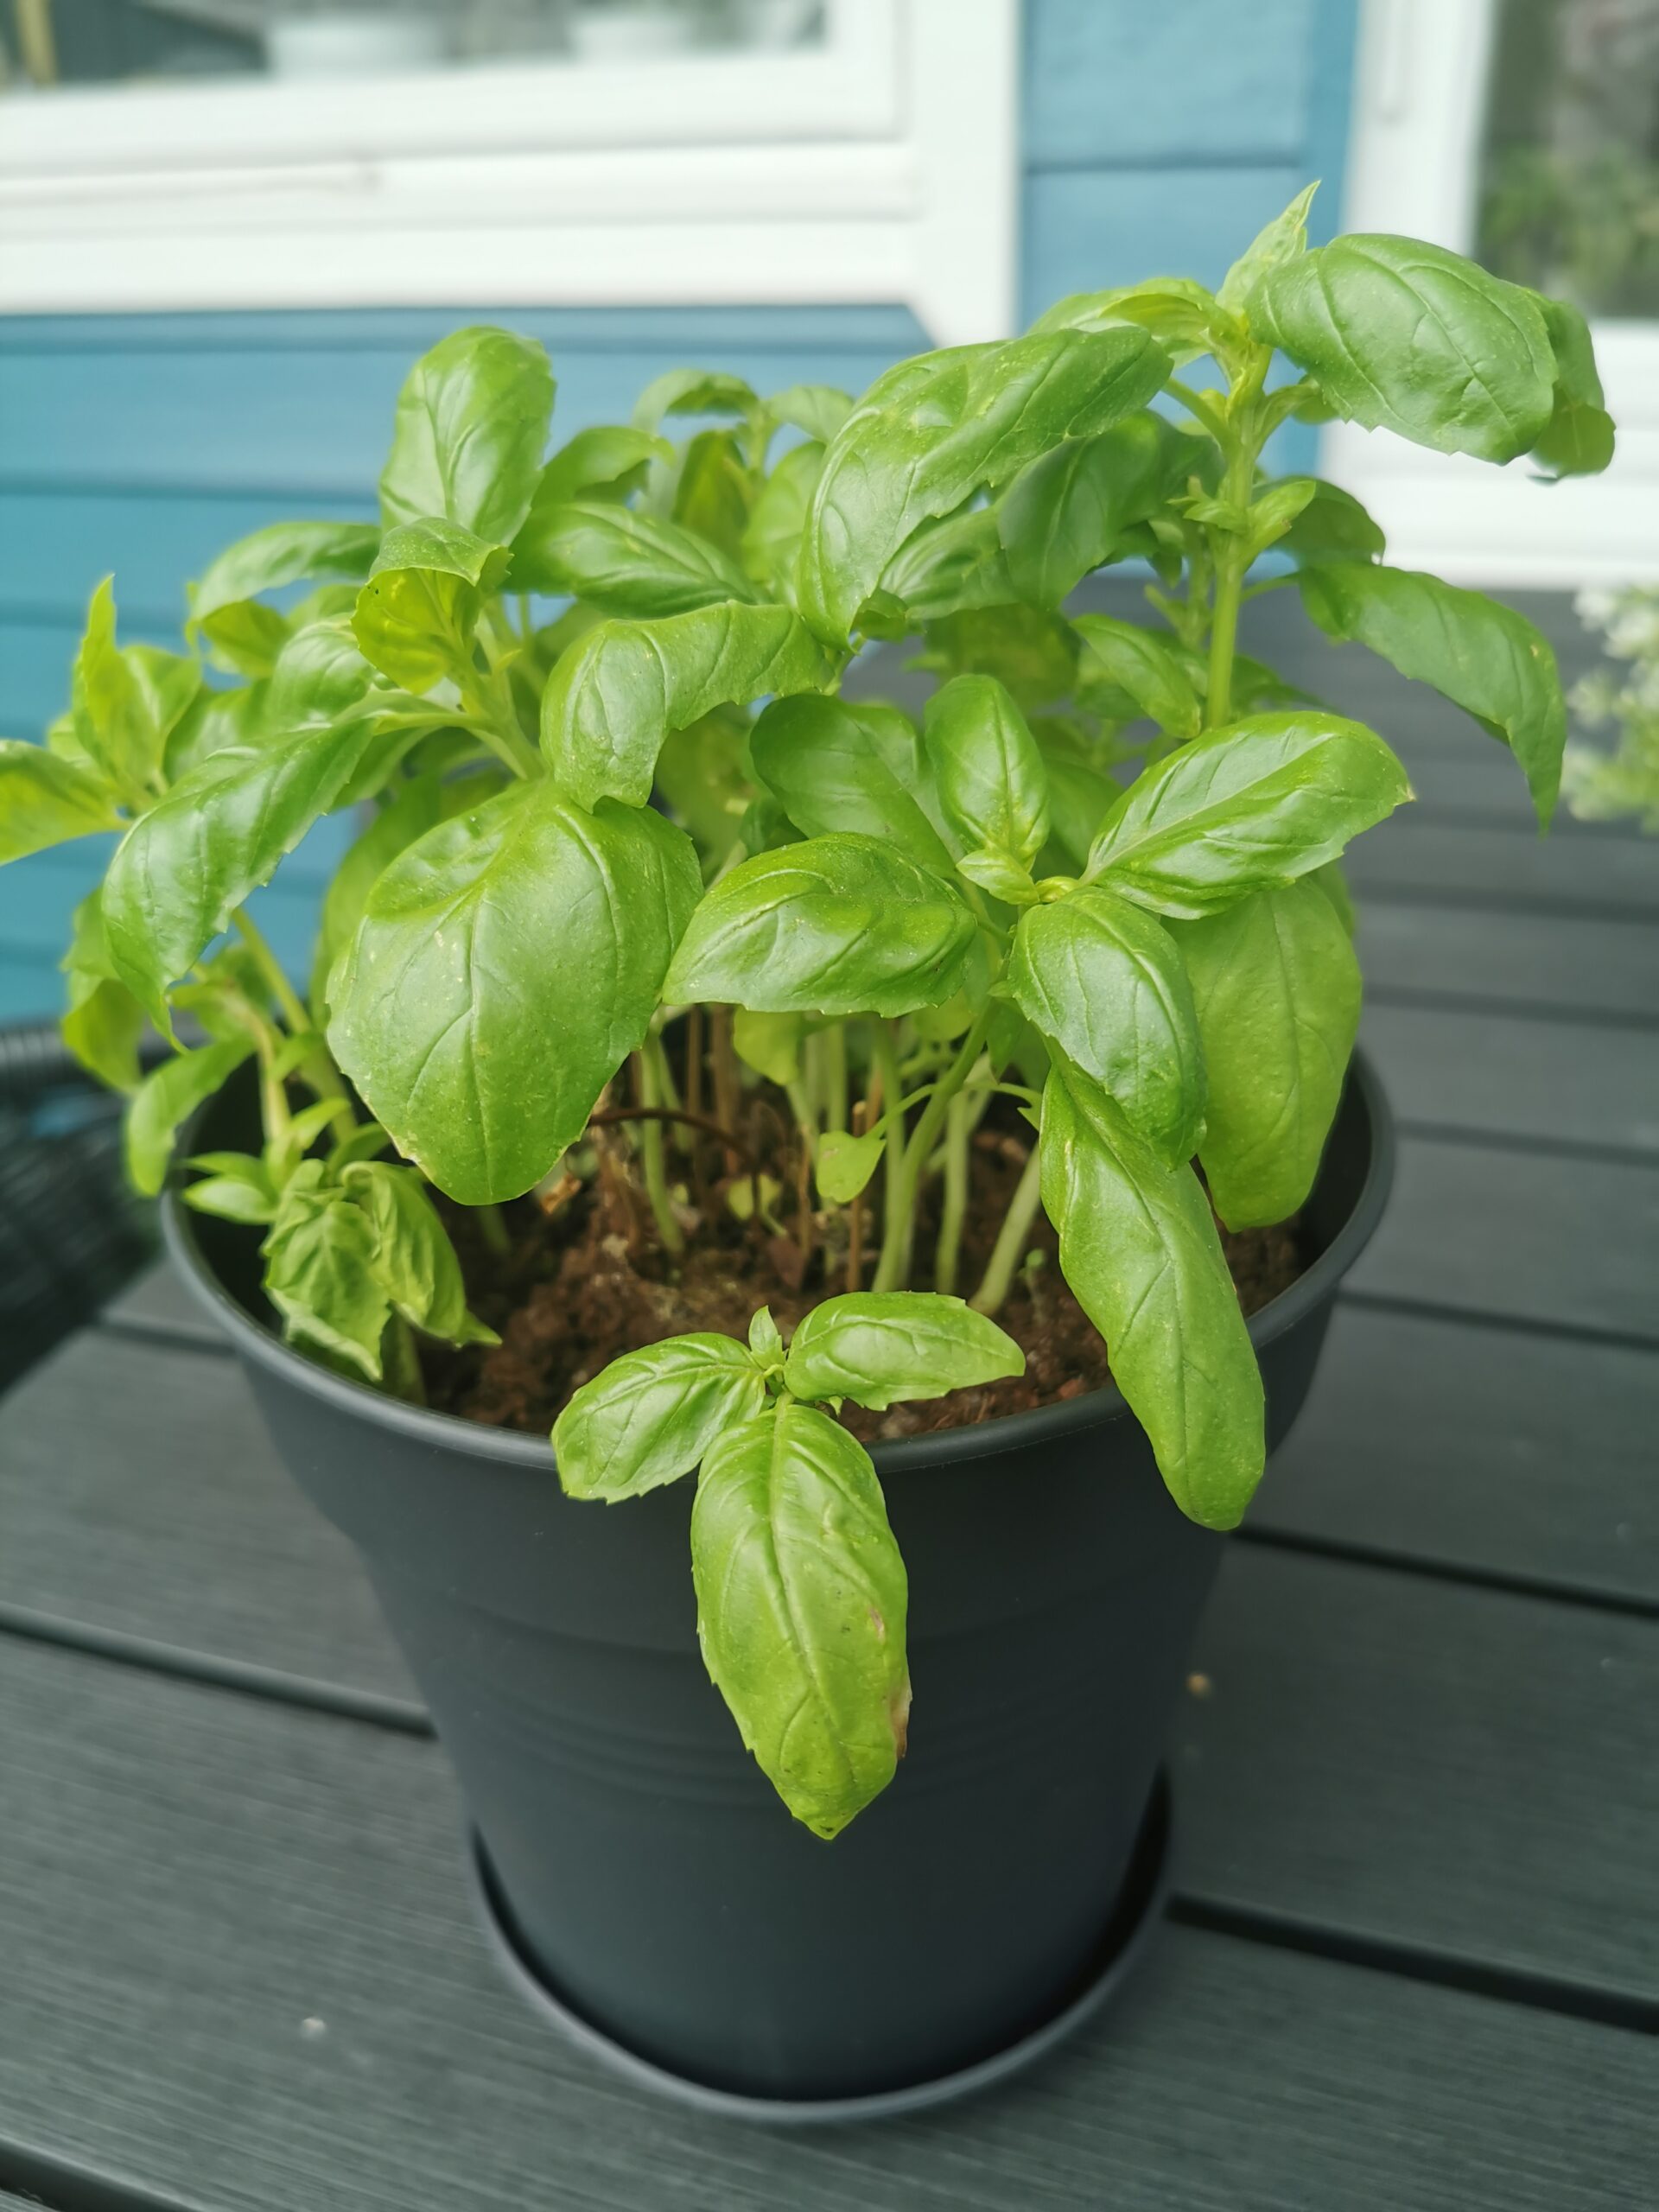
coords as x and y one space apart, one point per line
293 1008
885 1053
489 702
835 1076
958 1128
652 1151
492 1228
1010 1245
1202 408
892 1271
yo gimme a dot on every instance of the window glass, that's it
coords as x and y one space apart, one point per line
1569 186
47 43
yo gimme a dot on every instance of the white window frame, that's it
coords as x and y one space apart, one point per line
1413 167
879 166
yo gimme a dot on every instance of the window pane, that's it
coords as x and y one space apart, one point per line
45 44
1569 198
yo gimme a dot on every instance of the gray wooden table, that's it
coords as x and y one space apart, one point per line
1413 1962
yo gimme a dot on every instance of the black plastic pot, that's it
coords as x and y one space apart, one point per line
636 1865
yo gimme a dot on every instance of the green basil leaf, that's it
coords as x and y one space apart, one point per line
232 1198
1186 317
650 1416
169 1095
818 409
1284 240
844 1163
1276 987
927 436
702 777
419 805
946 567
505 965
770 1044
596 459
45 800
1404 336
835 925
771 535
1579 438
103 1021
1274 510
1146 666
183 868
613 698
415 615
693 391
1139 1248
880 1347
168 684
319 676
470 431
802 1598
1333 526
1000 874
714 493
834 769
1105 980
1485 658
113 727
1266 800
1031 653
621 561
1065 514
413 1261
246 637
993 786
1078 796
765 1340
283 554
319 1275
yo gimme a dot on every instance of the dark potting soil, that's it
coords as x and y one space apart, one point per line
583 1278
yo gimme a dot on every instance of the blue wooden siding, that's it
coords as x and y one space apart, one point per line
1156 139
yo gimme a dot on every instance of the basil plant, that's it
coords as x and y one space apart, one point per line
650 846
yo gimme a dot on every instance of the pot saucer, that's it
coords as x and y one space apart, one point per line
1139 1908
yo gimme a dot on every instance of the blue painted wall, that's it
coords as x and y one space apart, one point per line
1157 140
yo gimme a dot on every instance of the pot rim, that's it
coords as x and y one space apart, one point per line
939 1448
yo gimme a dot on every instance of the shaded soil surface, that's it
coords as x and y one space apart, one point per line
589 1280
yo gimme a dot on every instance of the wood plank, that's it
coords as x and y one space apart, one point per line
287 423
1549 1081
1413 856
1465 956
1408 1760
1479 1450
1522 1236
1241 100
200 1541
241 1974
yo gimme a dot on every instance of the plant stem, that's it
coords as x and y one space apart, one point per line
957 1129
649 1074
320 1069
493 1229
884 1054
1010 1244
293 1008
892 1271
835 1076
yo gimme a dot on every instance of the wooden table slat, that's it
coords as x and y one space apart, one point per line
1418 855
1585 969
1527 1236
1477 1449
241 1974
1508 1075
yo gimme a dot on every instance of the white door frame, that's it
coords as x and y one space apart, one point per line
1413 167
881 166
